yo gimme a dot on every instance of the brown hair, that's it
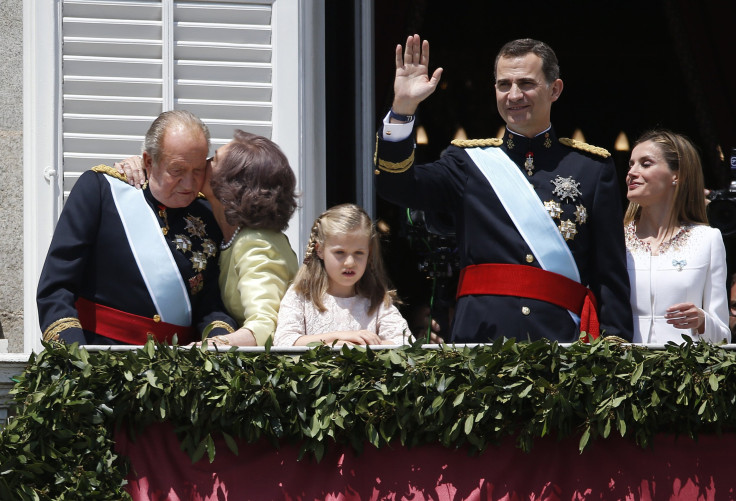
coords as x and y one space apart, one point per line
255 183
681 156
312 281
524 46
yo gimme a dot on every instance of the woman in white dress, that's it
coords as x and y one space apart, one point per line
676 262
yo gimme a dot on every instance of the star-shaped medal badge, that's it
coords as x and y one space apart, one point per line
209 247
199 261
566 187
568 229
554 209
183 243
195 226
196 283
581 214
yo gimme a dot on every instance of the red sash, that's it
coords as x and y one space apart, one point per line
127 327
533 283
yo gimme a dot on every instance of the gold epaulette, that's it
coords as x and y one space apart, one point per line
477 143
106 169
52 331
589 148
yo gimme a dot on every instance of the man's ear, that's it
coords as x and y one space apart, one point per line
556 87
147 163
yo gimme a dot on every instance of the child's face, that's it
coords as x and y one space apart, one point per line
345 257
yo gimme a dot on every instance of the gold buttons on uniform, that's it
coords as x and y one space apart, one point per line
529 258
156 318
525 310
376 172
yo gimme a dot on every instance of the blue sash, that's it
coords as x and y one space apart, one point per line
152 254
526 211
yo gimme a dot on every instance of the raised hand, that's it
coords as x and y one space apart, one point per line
412 84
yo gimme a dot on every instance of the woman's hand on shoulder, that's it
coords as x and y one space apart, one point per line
133 169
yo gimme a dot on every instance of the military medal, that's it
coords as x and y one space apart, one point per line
547 140
162 215
510 142
568 230
581 214
196 283
199 261
183 243
554 209
529 164
566 187
209 247
195 226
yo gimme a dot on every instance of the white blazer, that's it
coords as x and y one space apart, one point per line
690 267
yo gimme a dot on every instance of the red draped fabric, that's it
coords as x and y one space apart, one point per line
611 469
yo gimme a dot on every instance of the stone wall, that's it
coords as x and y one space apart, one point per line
11 173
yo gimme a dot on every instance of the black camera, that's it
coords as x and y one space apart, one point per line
432 235
722 206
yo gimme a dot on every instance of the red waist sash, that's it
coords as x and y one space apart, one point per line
127 327
533 283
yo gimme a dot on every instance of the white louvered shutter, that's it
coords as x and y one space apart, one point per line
126 61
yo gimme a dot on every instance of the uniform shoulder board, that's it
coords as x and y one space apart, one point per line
589 148
106 169
477 143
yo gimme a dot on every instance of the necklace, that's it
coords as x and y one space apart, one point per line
224 245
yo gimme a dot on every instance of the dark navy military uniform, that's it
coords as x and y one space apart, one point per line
90 258
592 223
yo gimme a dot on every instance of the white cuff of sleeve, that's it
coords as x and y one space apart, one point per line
396 132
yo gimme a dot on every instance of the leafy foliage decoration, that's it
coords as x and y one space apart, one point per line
69 402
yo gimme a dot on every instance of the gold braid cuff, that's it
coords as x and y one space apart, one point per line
110 171
219 324
396 167
52 331
476 143
589 148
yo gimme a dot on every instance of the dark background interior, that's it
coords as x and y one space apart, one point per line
627 67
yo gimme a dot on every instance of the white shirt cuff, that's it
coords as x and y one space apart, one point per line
396 132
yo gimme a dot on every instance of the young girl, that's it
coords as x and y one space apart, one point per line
341 292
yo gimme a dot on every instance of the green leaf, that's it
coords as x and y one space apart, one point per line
231 443
637 374
584 439
469 424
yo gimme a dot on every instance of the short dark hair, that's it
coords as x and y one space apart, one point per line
524 46
255 183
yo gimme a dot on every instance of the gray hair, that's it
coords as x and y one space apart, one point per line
166 120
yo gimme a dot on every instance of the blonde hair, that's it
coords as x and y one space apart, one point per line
681 156
312 281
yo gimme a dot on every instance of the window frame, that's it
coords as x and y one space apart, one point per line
298 42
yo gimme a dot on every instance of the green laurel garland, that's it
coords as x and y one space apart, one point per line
69 402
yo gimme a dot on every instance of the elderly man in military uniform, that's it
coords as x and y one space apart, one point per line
124 264
538 218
